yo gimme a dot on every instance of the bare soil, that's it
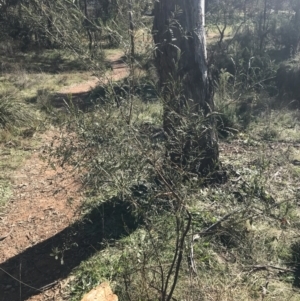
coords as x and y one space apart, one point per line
40 218
119 71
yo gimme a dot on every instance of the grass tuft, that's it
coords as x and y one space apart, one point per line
14 113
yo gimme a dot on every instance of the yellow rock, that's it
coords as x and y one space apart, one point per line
102 292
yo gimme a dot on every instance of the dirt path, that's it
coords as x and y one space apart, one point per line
39 217
40 207
118 72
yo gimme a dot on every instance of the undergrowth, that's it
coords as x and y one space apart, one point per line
237 240
238 237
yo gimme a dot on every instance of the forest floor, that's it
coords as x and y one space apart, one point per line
45 233
45 203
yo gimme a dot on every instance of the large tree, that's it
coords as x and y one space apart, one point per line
181 61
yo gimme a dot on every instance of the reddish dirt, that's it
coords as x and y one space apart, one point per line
118 72
40 207
45 202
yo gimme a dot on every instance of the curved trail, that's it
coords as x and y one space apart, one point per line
45 203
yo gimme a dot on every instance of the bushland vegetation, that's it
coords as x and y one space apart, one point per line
225 231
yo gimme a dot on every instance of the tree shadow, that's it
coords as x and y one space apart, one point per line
40 266
117 91
48 61
295 263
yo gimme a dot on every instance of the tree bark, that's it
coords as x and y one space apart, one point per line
131 31
87 24
297 26
181 61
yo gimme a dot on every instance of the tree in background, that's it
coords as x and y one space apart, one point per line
181 61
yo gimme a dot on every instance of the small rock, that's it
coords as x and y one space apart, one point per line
102 292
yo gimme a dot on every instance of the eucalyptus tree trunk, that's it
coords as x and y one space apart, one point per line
297 26
181 61
87 24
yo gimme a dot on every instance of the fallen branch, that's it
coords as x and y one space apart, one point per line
267 267
213 226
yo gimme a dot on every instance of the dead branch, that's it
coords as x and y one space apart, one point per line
255 268
208 230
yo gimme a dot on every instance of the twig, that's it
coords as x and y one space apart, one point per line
20 277
213 226
151 285
267 267
41 289
269 208
180 254
18 280
47 286
6 235
191 258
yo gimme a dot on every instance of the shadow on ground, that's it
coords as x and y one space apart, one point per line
50 61
39 270
117 92
295 263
